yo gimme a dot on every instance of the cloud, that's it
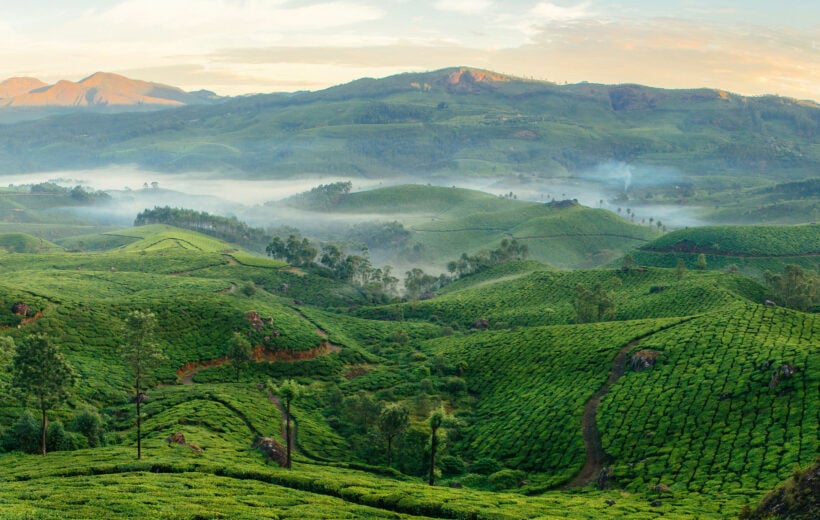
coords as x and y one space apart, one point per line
237 46
549 12
672 53
463 6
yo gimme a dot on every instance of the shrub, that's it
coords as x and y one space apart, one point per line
474 480
248 289
451 466
89 424
58 439
506 479
455 386
24 435
485 466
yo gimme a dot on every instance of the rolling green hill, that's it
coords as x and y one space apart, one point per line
443 223
690 400
695 147
753 249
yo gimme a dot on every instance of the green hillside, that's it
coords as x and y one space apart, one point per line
753 249
23 243
687 399
443 223
538 297
697 147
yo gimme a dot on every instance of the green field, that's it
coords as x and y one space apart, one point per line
752 249
533 399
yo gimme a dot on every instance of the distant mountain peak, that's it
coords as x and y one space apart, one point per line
471 75
101 89
16 86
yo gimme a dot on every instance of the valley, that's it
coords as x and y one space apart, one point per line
478 296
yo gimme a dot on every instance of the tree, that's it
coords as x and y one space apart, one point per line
436 421
393 420
593 304
417 282
700 263
90 425
277 248
288 391
239 352
40 371
628 263
361 411
6 354
142 355
680 269
794 287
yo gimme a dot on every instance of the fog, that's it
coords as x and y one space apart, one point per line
607 186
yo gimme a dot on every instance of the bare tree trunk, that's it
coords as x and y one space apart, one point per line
433 445
139 427
287 432
43 432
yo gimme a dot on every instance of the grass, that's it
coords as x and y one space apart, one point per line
706 421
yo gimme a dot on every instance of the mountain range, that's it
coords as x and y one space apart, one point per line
100 90
687 146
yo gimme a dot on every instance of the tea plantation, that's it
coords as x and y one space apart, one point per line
685 398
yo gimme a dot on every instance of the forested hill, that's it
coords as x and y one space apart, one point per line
442 122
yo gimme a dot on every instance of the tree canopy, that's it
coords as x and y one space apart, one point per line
41 372
141 355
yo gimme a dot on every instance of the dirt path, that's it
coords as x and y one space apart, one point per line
187 371
596 457
595 454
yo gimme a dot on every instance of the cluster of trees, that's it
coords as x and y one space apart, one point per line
358 270
593 304
377 282
41 375
795 287
323 197
419 284
224 228
382 432
78 193
294 251
508 251
392 236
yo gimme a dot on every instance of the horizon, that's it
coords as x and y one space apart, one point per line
463 67
235 48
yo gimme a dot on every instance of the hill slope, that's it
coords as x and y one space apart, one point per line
695 398
676 145
439 224
753 249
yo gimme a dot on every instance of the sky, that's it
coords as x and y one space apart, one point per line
235 47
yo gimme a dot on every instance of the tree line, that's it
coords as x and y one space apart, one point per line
229 229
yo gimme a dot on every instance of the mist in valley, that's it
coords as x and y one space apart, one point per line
260 203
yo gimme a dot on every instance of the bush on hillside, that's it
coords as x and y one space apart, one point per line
89 424
485 466
59 439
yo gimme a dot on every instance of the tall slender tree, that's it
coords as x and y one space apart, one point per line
393 421
288 392
142 355
436 421
239 352
40 371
